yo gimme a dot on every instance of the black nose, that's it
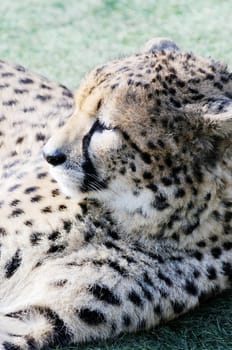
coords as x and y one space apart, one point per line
56 158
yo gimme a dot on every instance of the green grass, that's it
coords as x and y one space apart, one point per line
63 39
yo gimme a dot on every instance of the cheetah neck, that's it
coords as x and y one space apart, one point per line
202 218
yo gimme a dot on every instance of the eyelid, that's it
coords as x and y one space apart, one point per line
104 126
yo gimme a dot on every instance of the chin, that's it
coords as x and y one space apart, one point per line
67 186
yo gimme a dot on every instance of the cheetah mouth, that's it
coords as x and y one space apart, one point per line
75 179
91 181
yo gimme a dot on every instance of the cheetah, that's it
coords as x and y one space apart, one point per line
123 218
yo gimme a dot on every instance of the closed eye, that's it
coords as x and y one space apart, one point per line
98 126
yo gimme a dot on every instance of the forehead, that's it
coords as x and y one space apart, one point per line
151 85
153 69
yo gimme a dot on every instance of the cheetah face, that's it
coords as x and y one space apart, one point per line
80 165
145 132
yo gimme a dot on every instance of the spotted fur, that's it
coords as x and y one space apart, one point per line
146 160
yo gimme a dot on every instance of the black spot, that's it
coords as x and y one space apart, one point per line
196 273
2 231
228 216
197 172
9 103
40 137
218 85
160 202
213 238
201 244
45 86
60 283
35 238
151 145
227 229
132 166
208 196
31 342
56 248
176 237
20 91
43 98
84 208
67 93
180 193
126 320
191 227
46 210
67 226
146 292
191 288
122 170
197 97
62 207
157 309
121 270
197 255
152 187
216 252
160 143
10 346
175 102
216 215
164 278
147 175
19 140
167 181
111 245
211 273
89 234
26 81
146 157
103 293
147 279
113 86
178 306
28 109
42 175
13 264
189 180
54 235
135 298
91 317
31 189
55 192
168 160
227 269
28 223
227 204
113 234
15 202
227 245
209 76
36 198
7 74
17 212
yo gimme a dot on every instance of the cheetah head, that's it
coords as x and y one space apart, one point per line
150 136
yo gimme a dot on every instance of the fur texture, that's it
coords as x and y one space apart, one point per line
146 158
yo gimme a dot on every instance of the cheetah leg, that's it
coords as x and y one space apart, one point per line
101 291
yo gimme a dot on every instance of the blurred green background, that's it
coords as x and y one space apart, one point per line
63 39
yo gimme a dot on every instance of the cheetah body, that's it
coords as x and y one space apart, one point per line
146 160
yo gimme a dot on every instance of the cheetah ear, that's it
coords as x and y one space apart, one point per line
218 117
158 44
